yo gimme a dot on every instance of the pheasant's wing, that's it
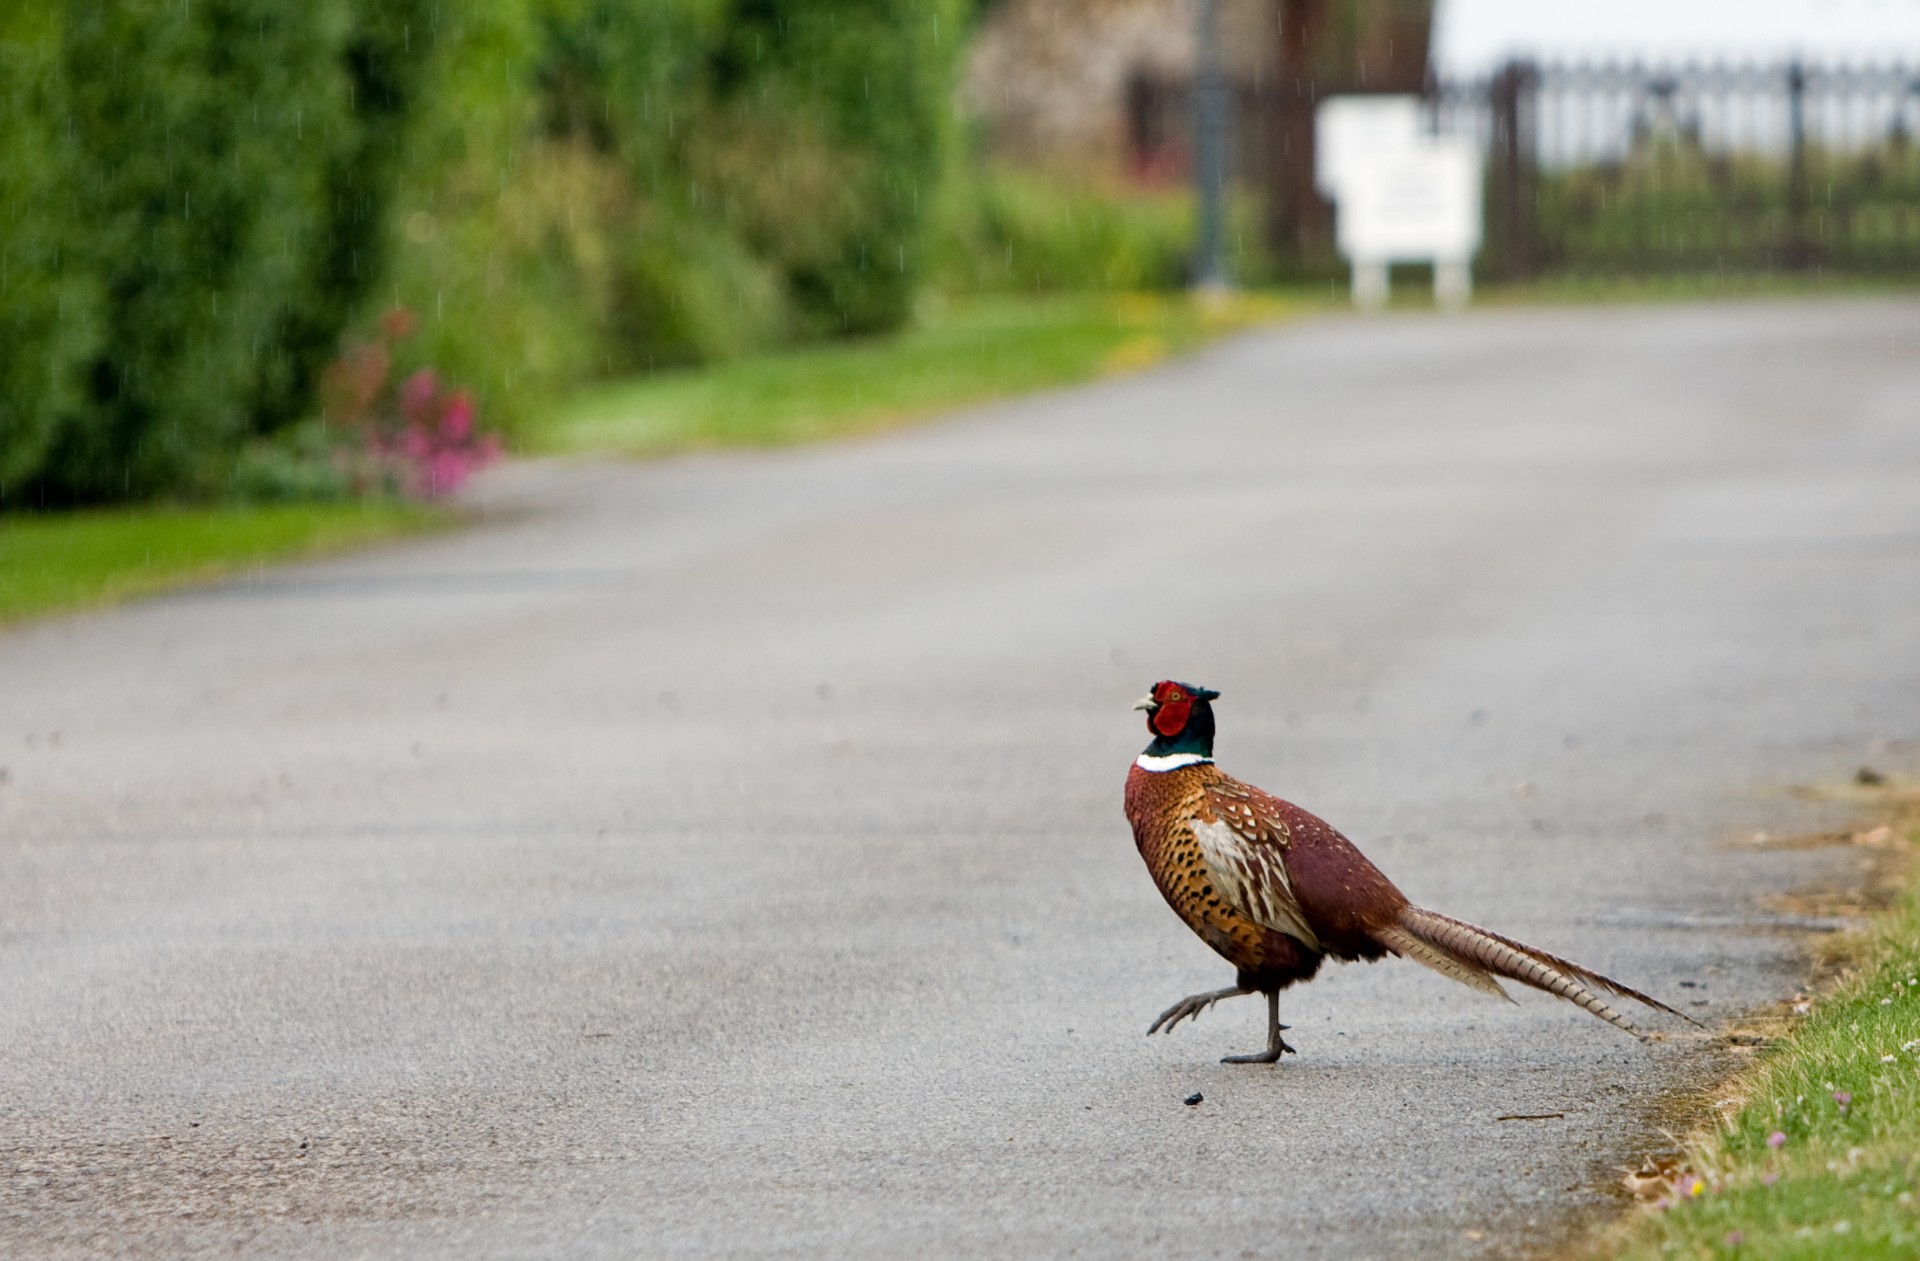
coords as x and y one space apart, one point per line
1244 844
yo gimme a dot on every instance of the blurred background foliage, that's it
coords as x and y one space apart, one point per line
202 206
1007 229
199 194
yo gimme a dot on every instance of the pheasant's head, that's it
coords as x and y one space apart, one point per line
1180 717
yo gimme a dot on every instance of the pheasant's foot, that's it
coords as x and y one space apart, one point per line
1189 1007
1276 1045
1269 1056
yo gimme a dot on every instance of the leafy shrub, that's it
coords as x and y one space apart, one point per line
211 218
617 187
302 464
874 79
196 199
48 309
1023 231
380 433
383 60
685 294
188 129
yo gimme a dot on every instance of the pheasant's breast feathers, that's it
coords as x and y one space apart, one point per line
1244 844
1250 813
1170 813
1272 862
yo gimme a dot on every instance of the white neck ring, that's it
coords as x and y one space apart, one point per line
1171 762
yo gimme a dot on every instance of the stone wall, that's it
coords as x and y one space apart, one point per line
1048 79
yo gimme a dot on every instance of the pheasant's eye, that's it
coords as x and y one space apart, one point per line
1175 696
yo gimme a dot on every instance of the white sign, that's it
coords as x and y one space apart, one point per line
1351 130
1399 196
1414 205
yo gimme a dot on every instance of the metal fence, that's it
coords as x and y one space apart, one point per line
1625 168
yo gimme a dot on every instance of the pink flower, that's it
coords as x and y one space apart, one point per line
412 436
449 469
1776 1139
456 422
415 443
418 393
1735 1239
1843 1098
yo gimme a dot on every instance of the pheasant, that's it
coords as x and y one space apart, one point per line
1276 890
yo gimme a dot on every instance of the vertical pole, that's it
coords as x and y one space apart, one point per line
1503 104
1799 254
1526 159
1511 104
1210 149
1299 224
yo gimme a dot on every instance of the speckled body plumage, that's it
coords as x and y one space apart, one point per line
1276 890
1347 895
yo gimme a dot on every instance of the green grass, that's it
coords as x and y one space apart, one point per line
59 562
1573 289
1822 1157
976 351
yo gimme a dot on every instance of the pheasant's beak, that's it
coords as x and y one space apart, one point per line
1147 703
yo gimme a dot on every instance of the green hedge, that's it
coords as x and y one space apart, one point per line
670 183
210 217
1017 232
198 200
842 108
382 63
49 310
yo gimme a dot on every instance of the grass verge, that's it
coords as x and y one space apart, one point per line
1683 287
68 561
975 351
1819 1155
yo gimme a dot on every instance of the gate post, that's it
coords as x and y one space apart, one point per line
1799 243
1210 104
1511 102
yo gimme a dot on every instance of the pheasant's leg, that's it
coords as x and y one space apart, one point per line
1276 1045
1191 1006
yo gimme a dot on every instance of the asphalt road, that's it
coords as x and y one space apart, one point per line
723 857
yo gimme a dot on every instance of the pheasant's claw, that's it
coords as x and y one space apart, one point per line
1189 1008
1185 1009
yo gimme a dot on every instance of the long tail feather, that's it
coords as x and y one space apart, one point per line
1446 963
1595 979
1474 956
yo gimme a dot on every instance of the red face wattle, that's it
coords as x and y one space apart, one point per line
1173 705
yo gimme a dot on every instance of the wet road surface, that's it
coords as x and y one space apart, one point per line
723 856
